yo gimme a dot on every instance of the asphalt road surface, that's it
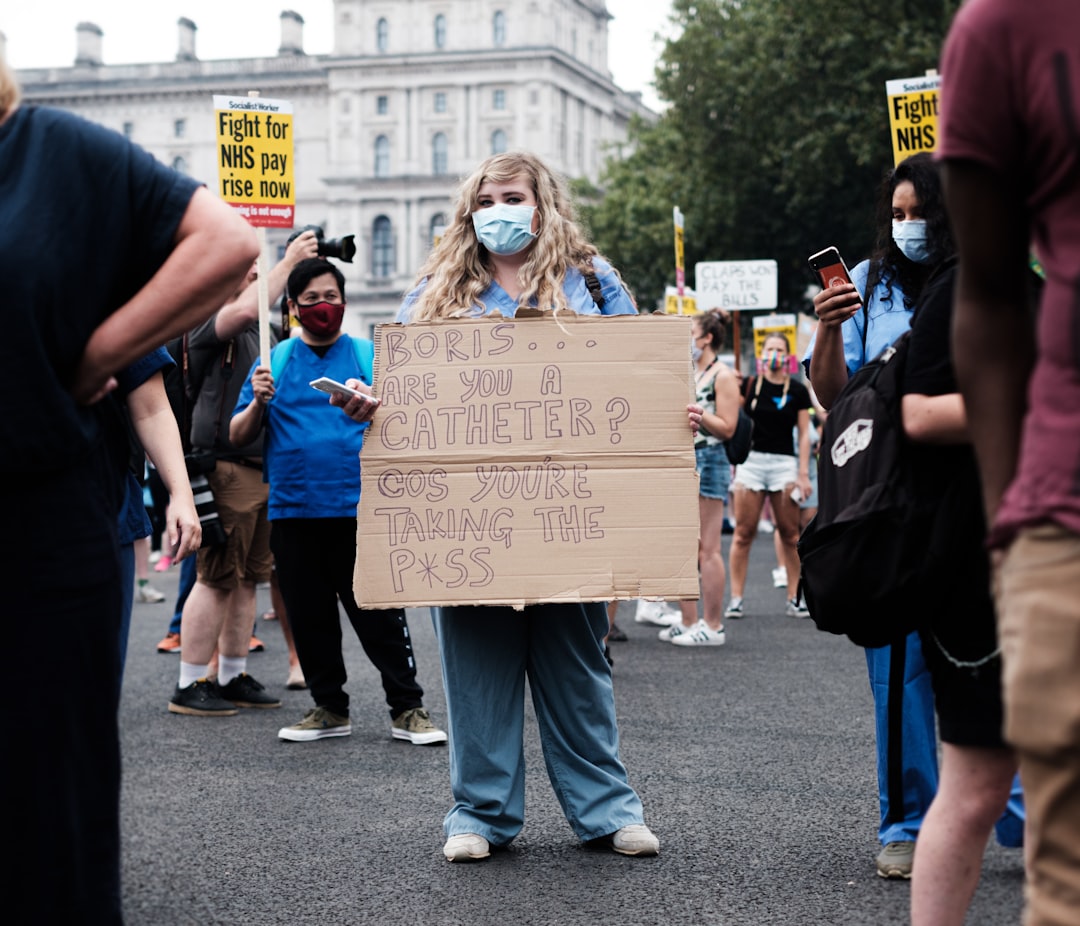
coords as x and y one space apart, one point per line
754 762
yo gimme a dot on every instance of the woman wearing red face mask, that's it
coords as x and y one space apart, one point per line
311 460
777 404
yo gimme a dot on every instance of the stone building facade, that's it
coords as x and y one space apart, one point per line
414 94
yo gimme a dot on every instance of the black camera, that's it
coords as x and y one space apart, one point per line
343 248
213 533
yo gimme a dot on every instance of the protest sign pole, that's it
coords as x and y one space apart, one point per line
680 262
735 338
264 288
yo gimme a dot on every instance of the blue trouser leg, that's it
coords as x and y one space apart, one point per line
906 739
486 655
188 572
570 681
127 602
1009 829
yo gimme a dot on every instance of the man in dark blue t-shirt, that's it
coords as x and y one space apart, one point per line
144 254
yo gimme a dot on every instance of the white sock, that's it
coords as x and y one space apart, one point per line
191 673
228 667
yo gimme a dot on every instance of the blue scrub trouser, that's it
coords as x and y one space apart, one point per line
487 653
907 766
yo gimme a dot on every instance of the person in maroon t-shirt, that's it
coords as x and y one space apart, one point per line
1011 149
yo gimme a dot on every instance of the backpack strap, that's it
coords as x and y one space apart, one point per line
595 289
363 351
280 355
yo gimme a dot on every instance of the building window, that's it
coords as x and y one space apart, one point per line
498 99
382 156
440 31
179 128
382 35
439 154
498 28
498 142
440 102
129 129
382 248
382 105
436 228
179 165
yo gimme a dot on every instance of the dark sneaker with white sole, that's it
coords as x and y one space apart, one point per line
202 698
415 726
244 691
318 723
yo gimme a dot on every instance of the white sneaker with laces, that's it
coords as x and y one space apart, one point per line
779 577
658 613
702 635
669 634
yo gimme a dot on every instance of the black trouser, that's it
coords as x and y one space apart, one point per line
314 560
60 774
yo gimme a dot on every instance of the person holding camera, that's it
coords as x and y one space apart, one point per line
219 614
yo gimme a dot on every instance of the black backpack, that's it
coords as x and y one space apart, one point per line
866 555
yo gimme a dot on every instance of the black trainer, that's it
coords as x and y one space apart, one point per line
244 691
202 698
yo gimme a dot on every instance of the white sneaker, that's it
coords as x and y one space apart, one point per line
779 577
702 635
147 594
466 847
669 634
658 613
635 839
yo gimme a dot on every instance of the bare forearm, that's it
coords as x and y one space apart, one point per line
214 248
245 426
828 366
155 426
935 419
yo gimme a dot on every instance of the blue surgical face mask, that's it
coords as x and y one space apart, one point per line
695 351
910 238
504 229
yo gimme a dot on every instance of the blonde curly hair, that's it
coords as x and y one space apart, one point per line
459 269
9 89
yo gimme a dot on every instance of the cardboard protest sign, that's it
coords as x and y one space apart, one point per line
529 459
913 114
736 285
255 159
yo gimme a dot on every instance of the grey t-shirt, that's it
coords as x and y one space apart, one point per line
216 372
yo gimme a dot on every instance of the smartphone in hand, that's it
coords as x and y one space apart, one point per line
325 384
830 268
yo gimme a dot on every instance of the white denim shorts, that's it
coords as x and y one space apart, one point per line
767 472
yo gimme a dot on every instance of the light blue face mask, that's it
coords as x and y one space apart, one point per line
910 238
504 229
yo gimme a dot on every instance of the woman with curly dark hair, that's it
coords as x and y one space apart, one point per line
913 238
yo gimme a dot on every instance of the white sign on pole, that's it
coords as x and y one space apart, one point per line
736 285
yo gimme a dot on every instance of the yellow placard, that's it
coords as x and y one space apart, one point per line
255 159
913 115
671 305
764 325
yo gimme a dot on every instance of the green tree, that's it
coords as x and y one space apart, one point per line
775 140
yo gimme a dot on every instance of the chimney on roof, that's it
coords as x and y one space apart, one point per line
292 33
185 33
88 45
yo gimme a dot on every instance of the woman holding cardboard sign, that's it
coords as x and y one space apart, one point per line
513 242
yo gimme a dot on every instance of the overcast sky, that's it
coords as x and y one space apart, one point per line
41 33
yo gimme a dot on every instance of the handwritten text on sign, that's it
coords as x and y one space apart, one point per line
520 460
736 284
255 158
